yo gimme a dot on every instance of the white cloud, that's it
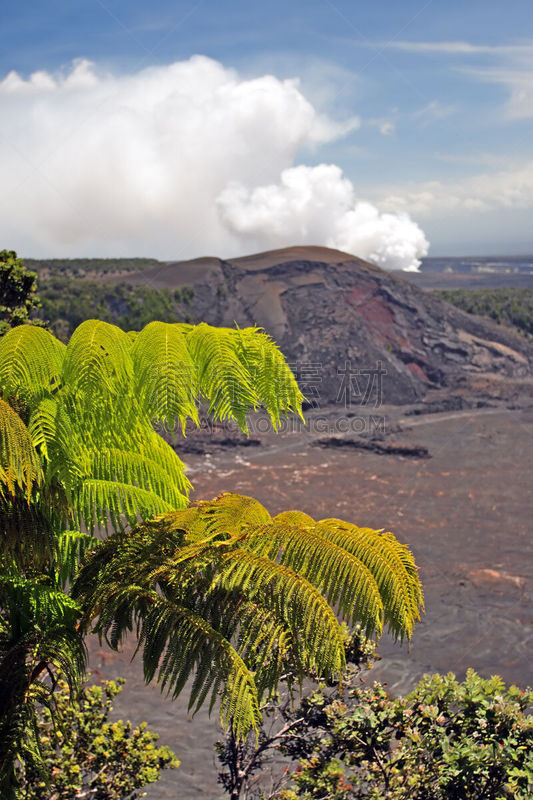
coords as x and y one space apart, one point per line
316 205
387 128
519 84
462 48
432 112
171 161
510 188
511 65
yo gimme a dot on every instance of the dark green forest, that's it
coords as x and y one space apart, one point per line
504 305
70 291
67 302
80 267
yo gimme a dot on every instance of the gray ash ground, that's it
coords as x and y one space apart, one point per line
465 512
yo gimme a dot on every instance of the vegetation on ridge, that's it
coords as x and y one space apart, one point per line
67 302
507 306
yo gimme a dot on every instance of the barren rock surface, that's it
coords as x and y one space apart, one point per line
439 453
333 313
465 512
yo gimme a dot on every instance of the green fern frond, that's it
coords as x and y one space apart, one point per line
392 565
179 643
140 470
26 530
343 579
71 548
43 427
224 379
19 463
154 447
165 375
294 600
100 502
29 601
267 588
294 518
30 362
98 361
229 513
369 575
274 382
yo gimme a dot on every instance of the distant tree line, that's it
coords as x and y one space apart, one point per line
80 267
67 302
504 305
70 292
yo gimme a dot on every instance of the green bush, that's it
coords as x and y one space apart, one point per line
18 298
97 759
446 740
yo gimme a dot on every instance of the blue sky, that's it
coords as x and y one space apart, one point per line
442 93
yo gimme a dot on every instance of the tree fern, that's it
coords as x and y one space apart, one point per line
266 586
392 565
275 386
71 548
98 361
30 362
218 592
90 406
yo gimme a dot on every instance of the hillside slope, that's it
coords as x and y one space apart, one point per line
341 320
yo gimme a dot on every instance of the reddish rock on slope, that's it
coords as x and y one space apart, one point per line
341 321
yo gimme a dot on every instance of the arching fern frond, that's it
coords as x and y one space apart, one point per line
27 533
139 470
36 600
166 382
109 502
275 384
224 378
71 548
228 514
98 361
19 463
367 574
343 579
267 587
294 518
30 362
180 643
294 600
392 565
89 407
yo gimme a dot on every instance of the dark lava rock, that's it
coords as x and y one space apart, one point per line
354 334
201 447
374 446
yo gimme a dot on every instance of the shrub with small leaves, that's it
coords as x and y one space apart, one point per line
446 740
88 756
